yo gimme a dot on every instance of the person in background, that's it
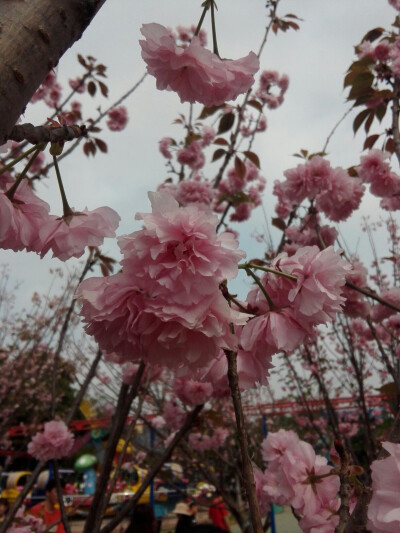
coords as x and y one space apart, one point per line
142 520
49 510
4 507
218 513
186 512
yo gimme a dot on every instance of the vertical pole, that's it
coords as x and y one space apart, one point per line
271 514
152 483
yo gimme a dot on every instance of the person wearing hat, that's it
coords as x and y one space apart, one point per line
186 516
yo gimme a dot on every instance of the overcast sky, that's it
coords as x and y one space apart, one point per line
315 58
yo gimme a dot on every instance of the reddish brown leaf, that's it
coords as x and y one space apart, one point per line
101 145
253 158
218 154
91 87
370 141
226 123
279 223
240 167
221 141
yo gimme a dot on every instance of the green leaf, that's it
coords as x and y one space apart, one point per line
256 104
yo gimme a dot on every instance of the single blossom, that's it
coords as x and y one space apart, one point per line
68 237
196 74
117 118
55 442
384 507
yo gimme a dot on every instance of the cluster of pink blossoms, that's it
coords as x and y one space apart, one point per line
117 118
25 224
194 73
375 170
296 476
165 306
50 91
55 442
296 306
384 507
269 80
202 442
333 191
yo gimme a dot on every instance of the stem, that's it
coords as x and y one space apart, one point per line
64 518
248 477
39 147
345 488
266 269
395 119
199 25
214 29
11 191
86 268
261 286
125 399
66 208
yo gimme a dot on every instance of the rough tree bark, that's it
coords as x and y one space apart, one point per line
34 34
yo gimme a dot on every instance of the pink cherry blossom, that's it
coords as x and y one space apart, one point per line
192 392
166 304
196 74
384 507
341 197
55 442
173 415
178 248
164 145
21 219
117 118
68 237
195 191
192 156
77 85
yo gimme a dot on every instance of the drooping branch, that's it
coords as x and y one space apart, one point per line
34 34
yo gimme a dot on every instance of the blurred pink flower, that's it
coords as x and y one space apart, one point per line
196 74
192 392
384 507
55 442
117 118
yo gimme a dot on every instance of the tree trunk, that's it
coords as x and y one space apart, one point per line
34 34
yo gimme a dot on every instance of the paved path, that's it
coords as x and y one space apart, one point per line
284 522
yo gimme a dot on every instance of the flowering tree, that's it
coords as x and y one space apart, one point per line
170 305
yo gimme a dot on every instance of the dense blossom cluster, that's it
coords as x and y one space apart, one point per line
194 73
165 306
296 476
333 191
55 442
375 169
295 307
